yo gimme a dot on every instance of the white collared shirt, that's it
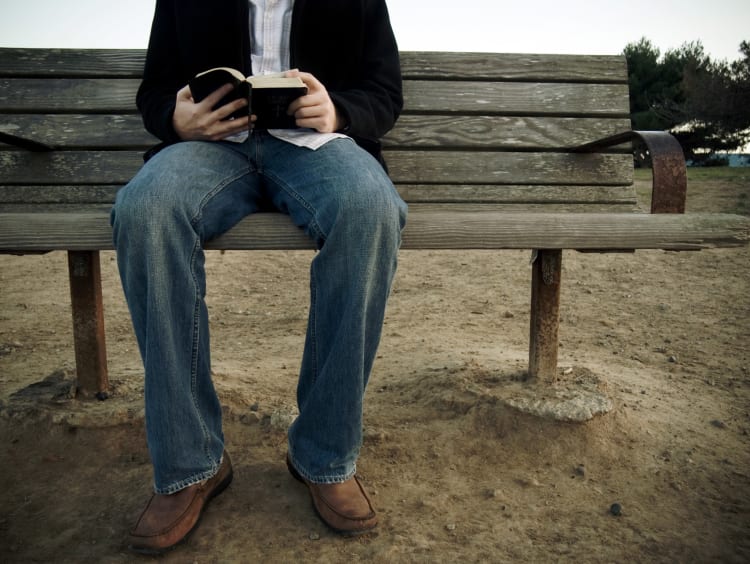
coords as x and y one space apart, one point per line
270 28
270 31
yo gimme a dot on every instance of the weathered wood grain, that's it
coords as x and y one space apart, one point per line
69 197
123 131
426 229
68 95
80 131
413 167
438 65
484 167
500 132
513 194
115 95
517 98
432 65
71 62
35 195
69 167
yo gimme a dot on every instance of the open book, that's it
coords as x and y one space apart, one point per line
268 95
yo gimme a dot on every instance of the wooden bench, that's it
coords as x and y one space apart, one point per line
493 151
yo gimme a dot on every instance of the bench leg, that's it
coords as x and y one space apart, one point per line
88 323
545 315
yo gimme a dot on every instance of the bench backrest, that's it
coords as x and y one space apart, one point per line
478 129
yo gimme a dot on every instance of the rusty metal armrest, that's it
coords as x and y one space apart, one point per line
669 182
24 143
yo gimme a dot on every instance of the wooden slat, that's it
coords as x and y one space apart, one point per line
68 95
23 232
605 231
425 230
105 131
514 66
80 131
513 193
523 206
449 167
422 65
72 62
500 132
36 195
413 167
69 167
31 197
71 95
517 98
510 207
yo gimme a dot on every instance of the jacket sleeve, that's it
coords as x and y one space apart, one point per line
373 103
161 75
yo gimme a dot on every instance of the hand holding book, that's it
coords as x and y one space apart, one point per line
316 109
268 96
204 120
217 102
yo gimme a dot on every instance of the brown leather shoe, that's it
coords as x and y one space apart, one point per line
344 507
169 519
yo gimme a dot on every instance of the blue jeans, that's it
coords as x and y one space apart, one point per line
193 191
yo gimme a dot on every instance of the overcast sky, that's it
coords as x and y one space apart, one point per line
541 26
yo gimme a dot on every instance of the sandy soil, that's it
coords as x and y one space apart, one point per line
456 475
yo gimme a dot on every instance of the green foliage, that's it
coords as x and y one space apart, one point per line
649 87
704 103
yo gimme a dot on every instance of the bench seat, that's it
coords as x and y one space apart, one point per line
429 227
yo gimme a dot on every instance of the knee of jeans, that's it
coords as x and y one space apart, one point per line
142 211
374 212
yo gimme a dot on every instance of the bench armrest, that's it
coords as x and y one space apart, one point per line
24 143
669 173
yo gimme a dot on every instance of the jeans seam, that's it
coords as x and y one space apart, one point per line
313 224
195 349
219 187
197 245
313 324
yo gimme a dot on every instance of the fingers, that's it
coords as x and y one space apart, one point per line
222 112
184 94
193 121
315 109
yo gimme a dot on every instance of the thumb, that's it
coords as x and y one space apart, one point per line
184 93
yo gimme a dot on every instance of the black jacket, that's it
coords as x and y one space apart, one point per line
347 44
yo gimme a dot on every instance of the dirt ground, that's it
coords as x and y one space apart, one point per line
457 476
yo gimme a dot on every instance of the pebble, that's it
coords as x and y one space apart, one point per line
615 509
313 536
580 470
450 527
375 436
251 418
718 424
